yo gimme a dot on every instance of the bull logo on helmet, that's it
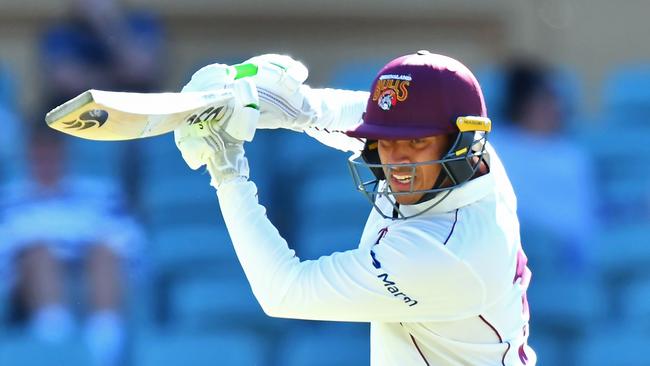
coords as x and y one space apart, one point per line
387 100
391 89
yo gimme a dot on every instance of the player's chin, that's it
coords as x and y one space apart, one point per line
408 199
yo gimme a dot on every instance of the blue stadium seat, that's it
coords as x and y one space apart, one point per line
295 160
192 247
622 250
627 92
8 91
21 350
13 154
160 157
3 310
543 249
492 82
170 193
624 185
635 304
179 253
337 344
356 75
213 302
266 161
100 159
330 216
564 80
548 348
178 200
566 303
300 154
230 348
610 346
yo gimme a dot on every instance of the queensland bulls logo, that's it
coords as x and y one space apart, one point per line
391 89
387 100
90 118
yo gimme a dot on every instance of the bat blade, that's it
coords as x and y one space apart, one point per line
116 116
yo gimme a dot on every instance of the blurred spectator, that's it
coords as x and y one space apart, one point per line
52 224
102 46
552 175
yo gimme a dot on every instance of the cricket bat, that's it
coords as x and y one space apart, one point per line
115 116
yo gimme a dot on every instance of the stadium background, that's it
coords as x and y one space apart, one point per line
194 306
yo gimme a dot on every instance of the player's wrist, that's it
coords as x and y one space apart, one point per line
228 165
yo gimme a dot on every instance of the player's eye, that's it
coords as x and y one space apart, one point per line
385 143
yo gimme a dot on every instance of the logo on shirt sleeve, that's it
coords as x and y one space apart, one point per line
390 285
395 291
375 262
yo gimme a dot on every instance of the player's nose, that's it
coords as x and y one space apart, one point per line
399 156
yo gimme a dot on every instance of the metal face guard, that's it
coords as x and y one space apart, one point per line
366 180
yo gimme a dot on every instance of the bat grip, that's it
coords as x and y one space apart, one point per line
245 70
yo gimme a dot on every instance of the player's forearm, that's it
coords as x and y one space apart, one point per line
346 286
336 109
268 262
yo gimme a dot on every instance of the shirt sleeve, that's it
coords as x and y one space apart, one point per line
406 276
336 111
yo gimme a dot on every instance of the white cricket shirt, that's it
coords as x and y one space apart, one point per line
444 288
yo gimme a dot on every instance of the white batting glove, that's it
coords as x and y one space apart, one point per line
279 82
218 143
221 76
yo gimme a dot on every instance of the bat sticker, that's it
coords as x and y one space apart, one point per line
207 115
88 119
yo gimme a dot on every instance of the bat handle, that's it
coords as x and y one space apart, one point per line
245 70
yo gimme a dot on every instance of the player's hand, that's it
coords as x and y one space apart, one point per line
221 76
211 77
279 82
218 143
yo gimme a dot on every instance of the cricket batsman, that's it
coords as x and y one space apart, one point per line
439 272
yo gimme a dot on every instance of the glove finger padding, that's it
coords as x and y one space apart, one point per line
210 77
245 117
279 79
275 71
238 119
235 123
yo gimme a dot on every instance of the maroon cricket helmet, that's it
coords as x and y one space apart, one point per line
420 95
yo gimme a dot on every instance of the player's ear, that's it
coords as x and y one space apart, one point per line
370 155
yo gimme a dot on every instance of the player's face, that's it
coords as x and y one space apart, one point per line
412 151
